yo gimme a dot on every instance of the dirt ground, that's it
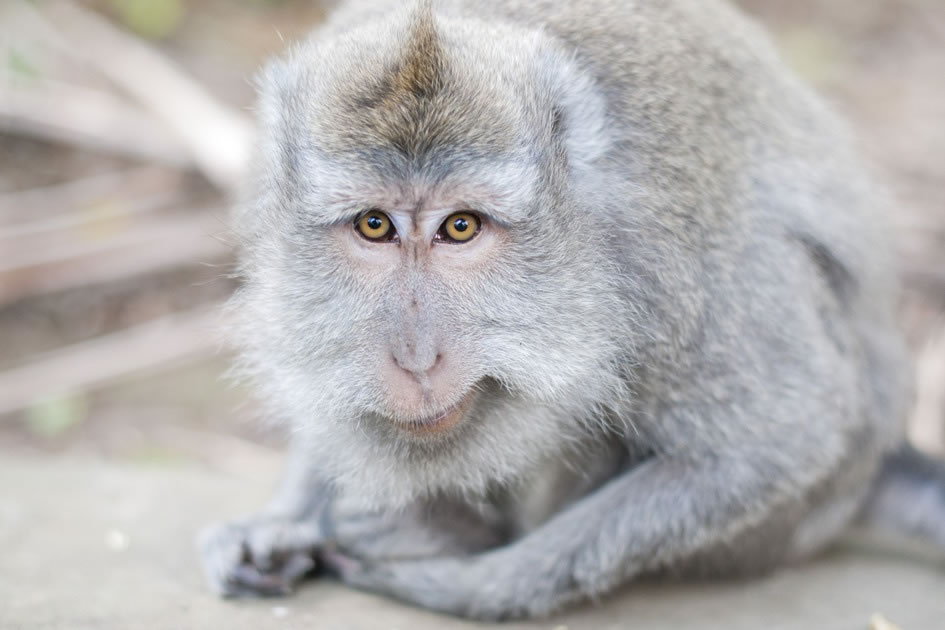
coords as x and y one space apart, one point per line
128 563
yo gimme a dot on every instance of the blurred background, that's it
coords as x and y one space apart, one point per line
123 128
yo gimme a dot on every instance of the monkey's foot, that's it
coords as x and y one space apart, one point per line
258 556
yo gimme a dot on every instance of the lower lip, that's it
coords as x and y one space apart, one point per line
441 423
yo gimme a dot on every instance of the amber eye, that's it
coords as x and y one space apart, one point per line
459 227
374 226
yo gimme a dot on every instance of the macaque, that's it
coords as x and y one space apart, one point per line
555 295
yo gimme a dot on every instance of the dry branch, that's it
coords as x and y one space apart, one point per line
87 118
28 37
61 261
65 204
158 345
218 137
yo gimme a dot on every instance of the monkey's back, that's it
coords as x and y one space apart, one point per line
755 180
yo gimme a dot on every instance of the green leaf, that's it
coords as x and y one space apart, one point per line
20 65
54 416
154 19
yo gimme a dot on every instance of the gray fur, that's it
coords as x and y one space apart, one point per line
681 347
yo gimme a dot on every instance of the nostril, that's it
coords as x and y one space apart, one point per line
435 366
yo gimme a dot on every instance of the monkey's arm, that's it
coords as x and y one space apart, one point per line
656 515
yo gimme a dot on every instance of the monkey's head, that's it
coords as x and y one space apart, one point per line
428 296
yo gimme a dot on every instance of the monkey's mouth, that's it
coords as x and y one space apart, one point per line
442 422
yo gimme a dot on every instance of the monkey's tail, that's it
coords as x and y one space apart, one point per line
906 505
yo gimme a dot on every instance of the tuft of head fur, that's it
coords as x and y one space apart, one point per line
420 71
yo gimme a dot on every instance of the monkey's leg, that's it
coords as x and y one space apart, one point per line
656 516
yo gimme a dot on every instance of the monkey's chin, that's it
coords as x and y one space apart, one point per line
439 424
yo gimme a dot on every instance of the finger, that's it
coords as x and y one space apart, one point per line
296 566
267 546
246 579
221 549
344 566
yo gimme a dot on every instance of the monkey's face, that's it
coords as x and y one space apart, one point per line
428 297
420 257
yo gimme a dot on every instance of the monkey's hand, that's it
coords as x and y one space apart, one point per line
269 553
263 555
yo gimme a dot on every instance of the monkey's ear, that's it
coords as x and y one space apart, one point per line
272 84
281 117
580 111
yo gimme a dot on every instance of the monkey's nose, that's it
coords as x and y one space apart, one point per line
420 366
